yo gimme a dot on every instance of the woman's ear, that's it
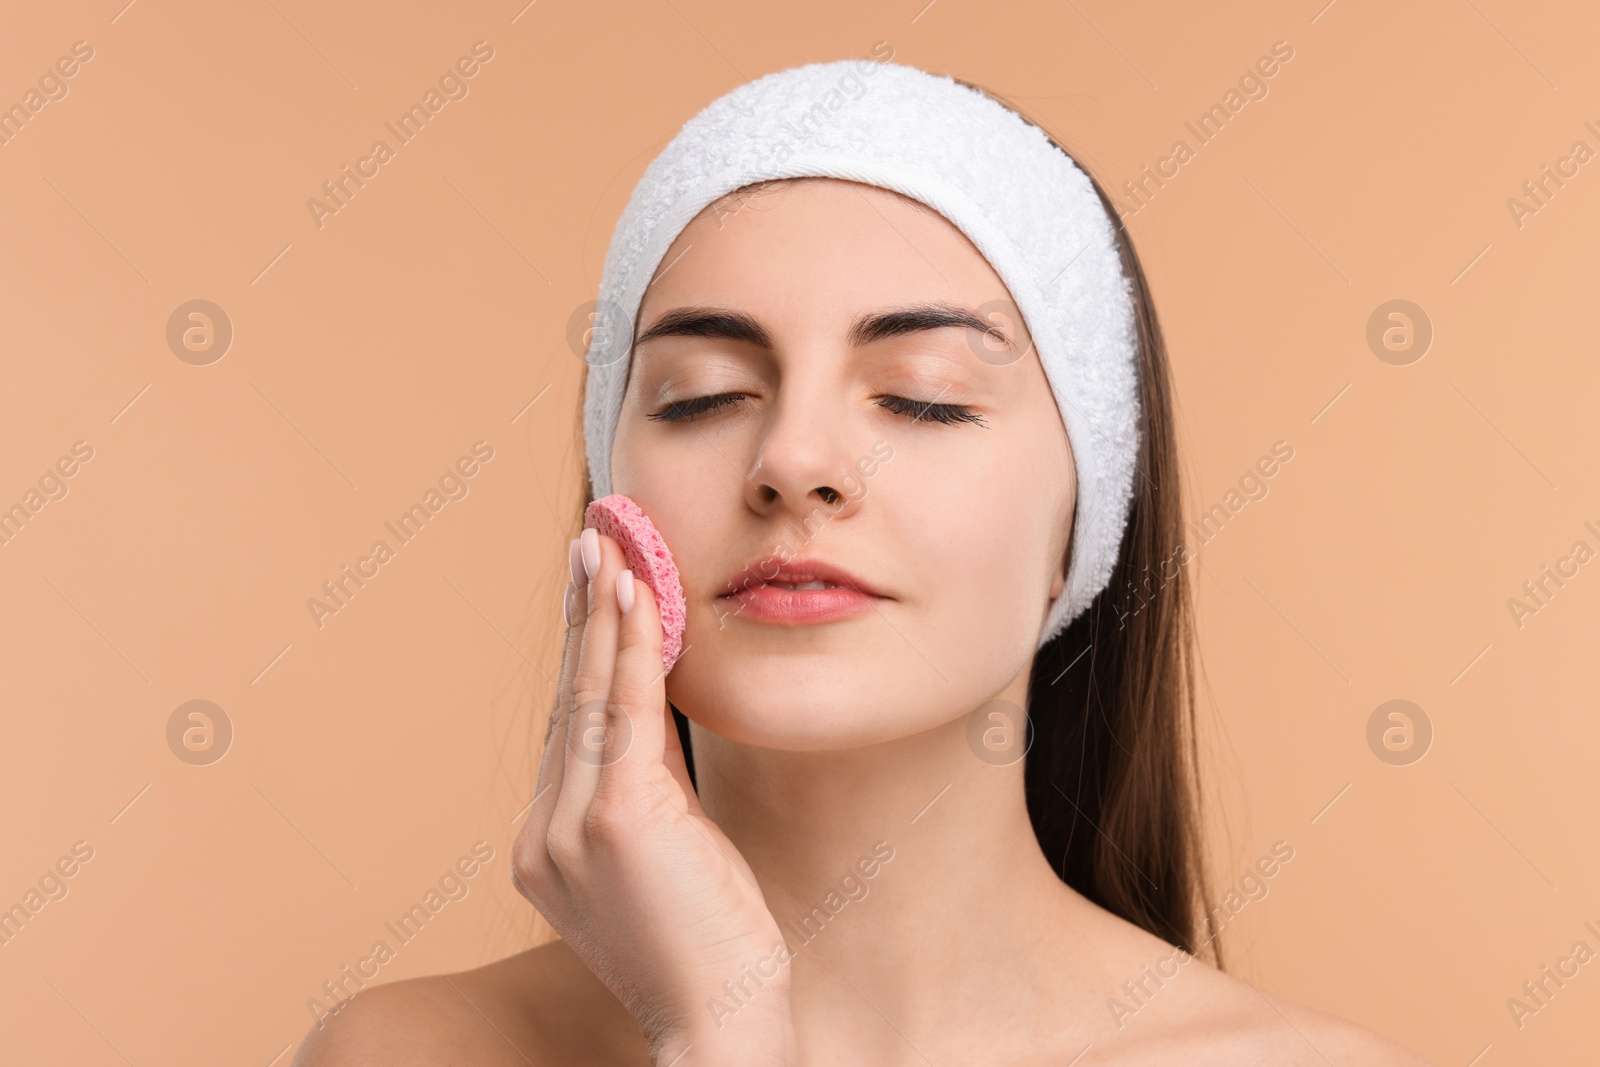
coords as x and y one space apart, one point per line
1060 581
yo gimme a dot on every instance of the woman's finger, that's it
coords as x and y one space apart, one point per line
676 763
591 685
553 756
635 735
531 861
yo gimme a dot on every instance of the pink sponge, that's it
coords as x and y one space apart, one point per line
620 519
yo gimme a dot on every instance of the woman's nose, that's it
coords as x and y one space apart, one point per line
803 466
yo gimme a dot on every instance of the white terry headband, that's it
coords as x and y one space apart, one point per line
1022 202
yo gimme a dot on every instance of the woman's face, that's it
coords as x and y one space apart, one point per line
960 526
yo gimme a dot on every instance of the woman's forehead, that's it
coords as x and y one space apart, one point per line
819 246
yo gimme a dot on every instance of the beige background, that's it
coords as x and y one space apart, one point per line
432 312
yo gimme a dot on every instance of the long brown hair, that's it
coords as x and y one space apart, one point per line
1111 774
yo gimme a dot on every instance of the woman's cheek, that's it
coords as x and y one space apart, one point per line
978 550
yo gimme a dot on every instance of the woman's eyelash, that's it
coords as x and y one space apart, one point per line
681 410
917 410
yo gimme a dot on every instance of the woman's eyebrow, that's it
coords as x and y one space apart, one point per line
867 328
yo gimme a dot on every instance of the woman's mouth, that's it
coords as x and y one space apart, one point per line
798 591
803 602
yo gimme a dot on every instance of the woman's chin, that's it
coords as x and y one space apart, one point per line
783 739
793 720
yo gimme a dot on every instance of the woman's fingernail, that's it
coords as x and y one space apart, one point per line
575 564
625 591
591 551
567 599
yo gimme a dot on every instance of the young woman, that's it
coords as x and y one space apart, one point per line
831 833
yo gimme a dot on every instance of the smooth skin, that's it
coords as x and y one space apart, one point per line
815 744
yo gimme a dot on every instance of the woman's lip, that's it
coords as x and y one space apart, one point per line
773 603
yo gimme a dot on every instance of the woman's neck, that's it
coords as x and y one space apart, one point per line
907 871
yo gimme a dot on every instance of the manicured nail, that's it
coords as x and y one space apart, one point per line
567 599
575 564
591 551
625 591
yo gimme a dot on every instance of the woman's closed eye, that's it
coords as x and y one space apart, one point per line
915 410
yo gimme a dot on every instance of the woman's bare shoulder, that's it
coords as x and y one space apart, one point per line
542 1006
1256 1028
1167 1006
1230 1020
1327 1037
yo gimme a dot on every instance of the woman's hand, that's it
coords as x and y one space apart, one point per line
618 855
